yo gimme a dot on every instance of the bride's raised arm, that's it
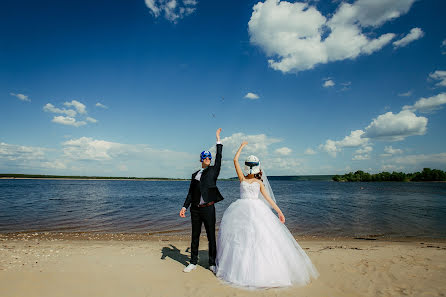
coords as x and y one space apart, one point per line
238 169
271 202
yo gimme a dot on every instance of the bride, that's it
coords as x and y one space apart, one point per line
254 248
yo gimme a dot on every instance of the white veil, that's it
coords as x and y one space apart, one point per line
268 189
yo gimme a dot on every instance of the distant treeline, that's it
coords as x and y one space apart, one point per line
360 176
81 177
302 177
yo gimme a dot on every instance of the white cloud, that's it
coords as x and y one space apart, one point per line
252 96
51 108
13 152
361 157
427 105
394 127
173 10
439 75
257 144
364 150
101 105
80 107
273 161
292 34
284 151
309 151
88 156
21 97
139 159
86 148
406 94
355 139
70 118
390 151
443 45
91 120
414 34
69 121
26 159
363 153
420 161
328 83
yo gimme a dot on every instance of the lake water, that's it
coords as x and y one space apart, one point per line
319 208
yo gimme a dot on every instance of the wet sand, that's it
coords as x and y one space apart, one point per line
90 264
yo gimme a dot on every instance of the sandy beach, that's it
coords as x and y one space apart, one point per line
85 264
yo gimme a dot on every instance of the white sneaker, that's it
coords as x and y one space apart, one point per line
213 269
189 268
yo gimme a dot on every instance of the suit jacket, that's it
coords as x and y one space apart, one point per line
207 186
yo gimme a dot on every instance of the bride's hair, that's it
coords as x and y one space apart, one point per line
259 175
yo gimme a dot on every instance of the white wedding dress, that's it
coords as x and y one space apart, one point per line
255 250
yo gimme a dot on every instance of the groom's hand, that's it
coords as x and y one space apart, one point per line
218 134
183 212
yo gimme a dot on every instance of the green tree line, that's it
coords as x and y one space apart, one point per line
360 176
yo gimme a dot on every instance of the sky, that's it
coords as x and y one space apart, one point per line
138 88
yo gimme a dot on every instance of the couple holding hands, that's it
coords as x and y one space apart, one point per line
254 248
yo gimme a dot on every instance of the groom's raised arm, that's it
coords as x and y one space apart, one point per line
217 164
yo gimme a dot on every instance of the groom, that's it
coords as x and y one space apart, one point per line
203 194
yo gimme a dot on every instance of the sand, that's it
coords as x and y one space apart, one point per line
118 265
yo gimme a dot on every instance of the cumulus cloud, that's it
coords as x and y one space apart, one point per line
362 153
25 159
390 151
13 152
139 159
361 157
439 75
428 105
355 139
395 127
70 118
297 37
252 96
87 148
91 120
328 83
274 161
257 144
51 108
69 121
20 97
89 156
414 34
172 10
284 151
417 162
406 94
309 151
80 107
101 105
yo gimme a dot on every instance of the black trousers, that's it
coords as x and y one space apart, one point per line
206 216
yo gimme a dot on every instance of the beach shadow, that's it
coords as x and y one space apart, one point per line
174 253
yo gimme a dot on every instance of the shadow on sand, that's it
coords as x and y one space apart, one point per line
174 253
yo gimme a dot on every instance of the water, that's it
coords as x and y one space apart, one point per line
317 208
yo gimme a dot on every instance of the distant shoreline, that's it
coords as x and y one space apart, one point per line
75 178
11 176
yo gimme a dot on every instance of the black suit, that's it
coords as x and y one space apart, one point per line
206 187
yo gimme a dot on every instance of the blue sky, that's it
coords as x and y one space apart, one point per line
138 88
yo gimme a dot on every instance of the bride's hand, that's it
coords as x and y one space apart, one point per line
282 218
